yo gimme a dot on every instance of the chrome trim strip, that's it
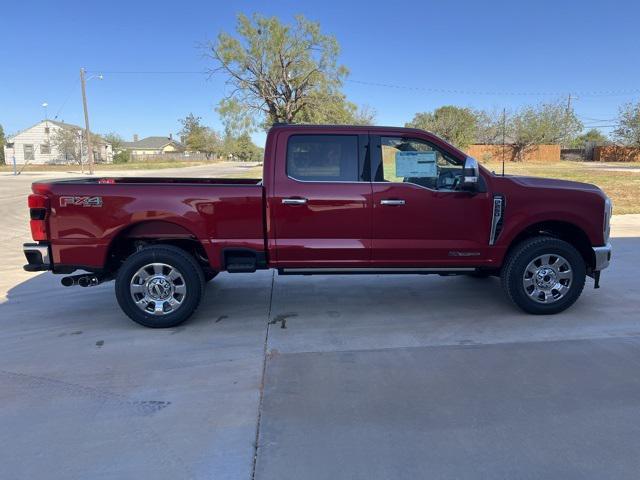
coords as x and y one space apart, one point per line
602 256
496 216
294 201
392 202
375 270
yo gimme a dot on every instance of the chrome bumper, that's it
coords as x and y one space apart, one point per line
602 256
38 257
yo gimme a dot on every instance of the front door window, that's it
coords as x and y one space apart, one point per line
407 160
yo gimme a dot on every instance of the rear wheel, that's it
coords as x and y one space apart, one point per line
159 286
544 275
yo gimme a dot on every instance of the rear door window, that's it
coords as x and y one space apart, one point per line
323 158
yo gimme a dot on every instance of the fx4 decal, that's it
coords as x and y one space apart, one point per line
81 201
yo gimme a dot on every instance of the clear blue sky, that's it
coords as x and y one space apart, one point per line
559 47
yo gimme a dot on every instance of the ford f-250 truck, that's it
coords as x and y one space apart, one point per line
332 200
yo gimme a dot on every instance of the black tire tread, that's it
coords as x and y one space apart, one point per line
517 252
171 250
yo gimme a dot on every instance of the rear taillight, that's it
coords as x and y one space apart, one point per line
38 210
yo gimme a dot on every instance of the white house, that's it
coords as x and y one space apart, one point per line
35 145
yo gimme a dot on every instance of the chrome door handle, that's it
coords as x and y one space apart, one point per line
393 203
294 201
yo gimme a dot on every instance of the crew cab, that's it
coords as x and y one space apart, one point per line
332 200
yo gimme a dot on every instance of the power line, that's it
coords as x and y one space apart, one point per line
592 93
587 119
149 72
75 85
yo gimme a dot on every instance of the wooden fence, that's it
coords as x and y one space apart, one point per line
539 153
614 153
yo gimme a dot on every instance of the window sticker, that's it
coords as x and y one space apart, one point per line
416 165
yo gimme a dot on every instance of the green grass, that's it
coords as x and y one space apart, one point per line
622 187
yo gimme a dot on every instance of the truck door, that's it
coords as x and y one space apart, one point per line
420 218
321 205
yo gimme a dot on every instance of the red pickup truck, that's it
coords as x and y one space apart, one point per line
332 200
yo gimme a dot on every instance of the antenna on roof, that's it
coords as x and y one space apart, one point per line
504 128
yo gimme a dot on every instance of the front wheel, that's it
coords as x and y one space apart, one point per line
544 275
159 286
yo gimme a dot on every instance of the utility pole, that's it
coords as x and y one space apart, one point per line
86 122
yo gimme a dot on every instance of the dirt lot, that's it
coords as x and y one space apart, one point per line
358 377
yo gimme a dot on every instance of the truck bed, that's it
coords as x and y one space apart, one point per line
159 180
88 214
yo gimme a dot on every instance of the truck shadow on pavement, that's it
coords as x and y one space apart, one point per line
334 301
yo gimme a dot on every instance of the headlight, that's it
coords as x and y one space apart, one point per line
608 209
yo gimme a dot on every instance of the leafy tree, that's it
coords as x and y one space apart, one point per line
246 150
546 123
458 126
120 154
592 136
241 148
2 140
67 142
492 127
281 73
115 140
628 130
199 138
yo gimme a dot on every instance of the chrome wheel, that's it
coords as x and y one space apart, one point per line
158 289
547 278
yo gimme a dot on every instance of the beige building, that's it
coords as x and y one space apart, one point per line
153 146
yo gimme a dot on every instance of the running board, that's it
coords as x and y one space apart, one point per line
372 271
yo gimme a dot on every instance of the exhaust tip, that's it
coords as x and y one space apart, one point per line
67 281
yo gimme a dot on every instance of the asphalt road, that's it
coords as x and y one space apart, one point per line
364 377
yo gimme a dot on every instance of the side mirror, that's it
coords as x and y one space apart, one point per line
470 175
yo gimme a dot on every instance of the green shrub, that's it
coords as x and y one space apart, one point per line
123 156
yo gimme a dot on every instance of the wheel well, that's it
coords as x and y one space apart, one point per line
562 230
137 236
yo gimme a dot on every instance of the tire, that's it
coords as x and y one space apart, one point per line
209 275
159 286
543 275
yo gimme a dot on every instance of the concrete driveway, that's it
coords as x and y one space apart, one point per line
352 377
